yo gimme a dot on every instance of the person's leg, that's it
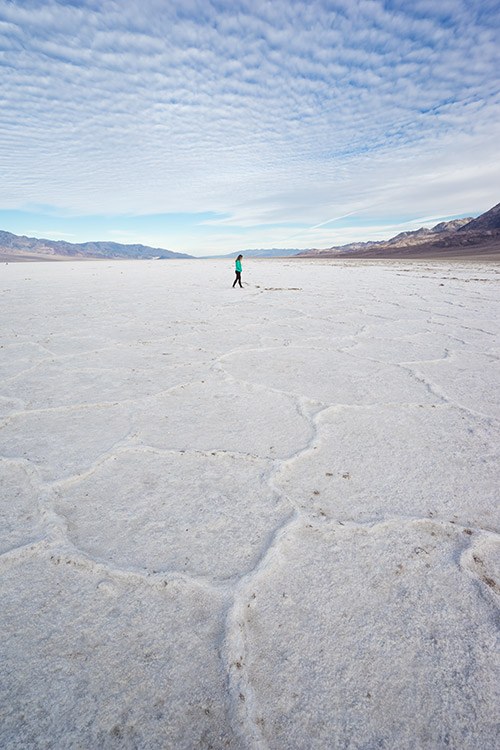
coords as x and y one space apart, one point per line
239 280
235 279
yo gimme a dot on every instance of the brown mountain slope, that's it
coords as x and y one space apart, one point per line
487 222
460 238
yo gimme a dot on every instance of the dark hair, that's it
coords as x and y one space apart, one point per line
239 256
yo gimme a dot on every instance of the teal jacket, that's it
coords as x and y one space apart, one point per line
238 265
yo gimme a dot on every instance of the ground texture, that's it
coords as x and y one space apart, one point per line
249 518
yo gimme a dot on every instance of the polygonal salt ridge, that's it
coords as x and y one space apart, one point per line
234 650
342 336
65 441
371 463
62 344
380 346
348 633
139 355
482 560
338 376
9 406
225 414
20 488
20 356
467 381
208 515
481 341
59 550
215 337
107 661
52 384
16 349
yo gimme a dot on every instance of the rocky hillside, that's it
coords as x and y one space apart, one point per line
487 222
14 247
458 238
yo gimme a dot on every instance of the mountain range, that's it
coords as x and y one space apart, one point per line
14 247
461 238
273 252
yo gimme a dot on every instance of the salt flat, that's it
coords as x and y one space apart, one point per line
258 518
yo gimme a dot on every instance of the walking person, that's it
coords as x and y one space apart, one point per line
238 271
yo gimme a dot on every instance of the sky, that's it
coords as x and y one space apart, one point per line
210 126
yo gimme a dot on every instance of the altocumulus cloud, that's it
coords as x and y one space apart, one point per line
269 113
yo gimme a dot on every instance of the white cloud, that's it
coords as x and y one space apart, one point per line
50 233
270 112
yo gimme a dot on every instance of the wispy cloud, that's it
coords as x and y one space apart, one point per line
267 113
53 234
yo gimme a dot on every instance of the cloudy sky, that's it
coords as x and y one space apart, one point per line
207 126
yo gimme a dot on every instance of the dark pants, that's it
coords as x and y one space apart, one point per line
238 279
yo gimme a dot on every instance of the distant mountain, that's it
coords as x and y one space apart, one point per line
458 238
273 252
14 247
487 222
451 226
479 237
